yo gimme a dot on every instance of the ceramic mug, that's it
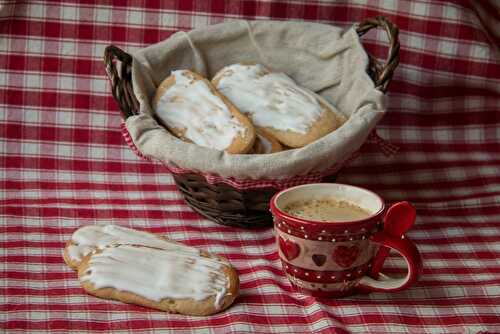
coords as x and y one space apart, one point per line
328 259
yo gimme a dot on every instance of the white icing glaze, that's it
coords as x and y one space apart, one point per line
76 252
157 274
266 144
88 238
192 106
271 100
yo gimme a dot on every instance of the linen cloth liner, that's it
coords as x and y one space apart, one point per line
326 59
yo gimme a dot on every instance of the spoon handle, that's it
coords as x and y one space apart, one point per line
379 260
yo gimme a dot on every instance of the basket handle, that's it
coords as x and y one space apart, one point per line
120 75
381 73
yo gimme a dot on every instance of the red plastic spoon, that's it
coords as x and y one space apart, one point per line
398 219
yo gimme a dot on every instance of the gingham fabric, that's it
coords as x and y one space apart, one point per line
64 164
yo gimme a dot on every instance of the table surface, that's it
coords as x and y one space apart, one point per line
64 164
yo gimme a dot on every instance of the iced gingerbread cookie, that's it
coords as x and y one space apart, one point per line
91 237
171 280
193 110
295 116
144 269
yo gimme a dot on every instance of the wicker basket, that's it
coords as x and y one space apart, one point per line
221 202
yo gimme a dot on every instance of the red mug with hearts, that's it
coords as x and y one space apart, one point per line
333 239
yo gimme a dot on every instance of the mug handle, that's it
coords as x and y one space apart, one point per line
408 250
391 237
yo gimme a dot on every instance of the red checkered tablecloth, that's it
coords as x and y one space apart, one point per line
64 164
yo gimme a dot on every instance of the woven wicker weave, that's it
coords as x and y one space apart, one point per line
222 203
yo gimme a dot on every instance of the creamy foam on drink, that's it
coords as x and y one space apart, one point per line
326 210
